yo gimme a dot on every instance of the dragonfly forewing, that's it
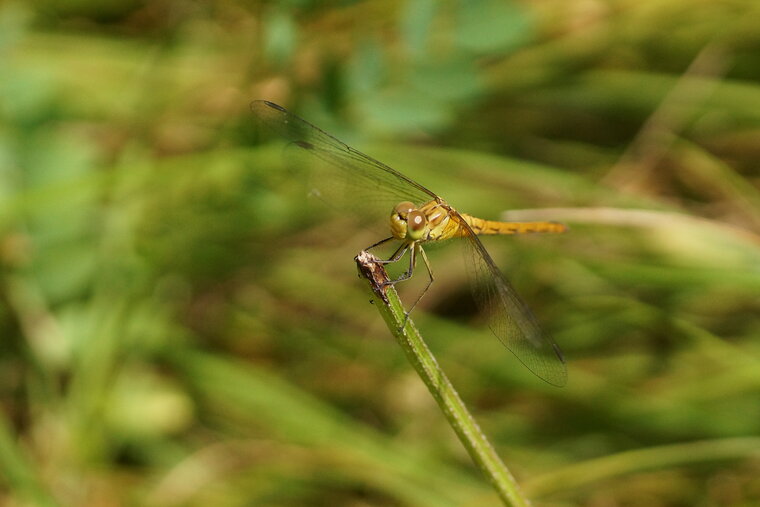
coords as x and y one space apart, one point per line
341 176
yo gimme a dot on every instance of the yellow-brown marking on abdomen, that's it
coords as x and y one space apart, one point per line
490 227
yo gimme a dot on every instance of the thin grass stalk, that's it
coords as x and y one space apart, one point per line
419 355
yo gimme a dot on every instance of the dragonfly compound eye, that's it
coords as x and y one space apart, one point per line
415 223
403 208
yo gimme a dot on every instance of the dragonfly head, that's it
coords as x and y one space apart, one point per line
407 222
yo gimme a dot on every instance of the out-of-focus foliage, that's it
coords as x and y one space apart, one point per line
180 326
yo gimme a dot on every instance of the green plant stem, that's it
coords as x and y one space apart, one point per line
423 361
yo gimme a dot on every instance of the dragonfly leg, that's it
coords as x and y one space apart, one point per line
396 255
430 282
378 243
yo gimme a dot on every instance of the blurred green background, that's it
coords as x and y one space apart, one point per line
180 326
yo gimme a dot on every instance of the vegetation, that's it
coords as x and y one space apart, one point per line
181 325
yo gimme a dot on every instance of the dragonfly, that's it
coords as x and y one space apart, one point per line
348 179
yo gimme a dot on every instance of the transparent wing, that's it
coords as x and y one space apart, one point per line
508 317
338 174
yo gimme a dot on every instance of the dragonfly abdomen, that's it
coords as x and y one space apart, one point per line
489 227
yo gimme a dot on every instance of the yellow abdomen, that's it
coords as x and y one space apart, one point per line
480 226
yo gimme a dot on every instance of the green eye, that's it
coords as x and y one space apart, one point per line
415 223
